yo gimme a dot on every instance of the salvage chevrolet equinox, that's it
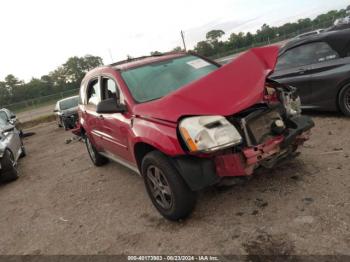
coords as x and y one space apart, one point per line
184 122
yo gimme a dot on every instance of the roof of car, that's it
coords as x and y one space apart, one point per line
338 40
144 60
67 98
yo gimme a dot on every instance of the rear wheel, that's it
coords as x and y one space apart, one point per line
344 100
166 188
8 164
95 156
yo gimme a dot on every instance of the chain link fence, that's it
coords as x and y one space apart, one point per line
40 101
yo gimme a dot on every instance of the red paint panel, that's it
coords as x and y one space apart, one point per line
228 90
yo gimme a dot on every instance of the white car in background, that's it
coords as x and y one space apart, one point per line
66 112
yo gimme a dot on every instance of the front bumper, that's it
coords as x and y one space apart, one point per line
203 172
70 120
268 153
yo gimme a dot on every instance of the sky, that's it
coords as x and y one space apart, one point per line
39 35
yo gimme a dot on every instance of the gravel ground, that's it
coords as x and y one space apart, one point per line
63 205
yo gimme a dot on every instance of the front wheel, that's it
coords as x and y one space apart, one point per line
8 167
344 100
168 191
23 150
95 156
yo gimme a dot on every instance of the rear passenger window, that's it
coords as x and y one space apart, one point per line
93 92
305 55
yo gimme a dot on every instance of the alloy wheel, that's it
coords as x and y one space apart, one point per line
347 100
159 187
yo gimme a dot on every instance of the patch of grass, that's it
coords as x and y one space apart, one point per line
37 121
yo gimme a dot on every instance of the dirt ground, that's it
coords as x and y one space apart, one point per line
63 205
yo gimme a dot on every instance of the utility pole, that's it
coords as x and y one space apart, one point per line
110 54
183 39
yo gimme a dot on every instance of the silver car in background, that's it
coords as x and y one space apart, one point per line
11 149
66 111
10 117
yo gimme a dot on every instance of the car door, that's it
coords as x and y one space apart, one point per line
90 116
294 67
115 126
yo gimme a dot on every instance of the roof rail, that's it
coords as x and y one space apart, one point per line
143 57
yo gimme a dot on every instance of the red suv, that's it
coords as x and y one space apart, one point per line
185 123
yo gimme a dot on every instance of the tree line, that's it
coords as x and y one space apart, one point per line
213 46
66 77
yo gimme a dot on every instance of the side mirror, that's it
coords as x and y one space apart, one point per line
110 106
13 116
55 110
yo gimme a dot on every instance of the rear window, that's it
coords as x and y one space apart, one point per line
156 80
306 54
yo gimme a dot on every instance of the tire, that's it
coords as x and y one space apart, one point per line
23 150
9 171
95 156
64 125
59 122
344 100
168 191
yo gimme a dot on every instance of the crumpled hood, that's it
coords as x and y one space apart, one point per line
226 91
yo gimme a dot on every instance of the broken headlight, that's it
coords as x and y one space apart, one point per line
208 133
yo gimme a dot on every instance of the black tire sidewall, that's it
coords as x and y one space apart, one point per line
99 159
23 153
341 100
183 198
8 171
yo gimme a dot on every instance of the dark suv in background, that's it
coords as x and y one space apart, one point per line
319 67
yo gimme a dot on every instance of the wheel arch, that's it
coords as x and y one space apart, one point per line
140 150
341 87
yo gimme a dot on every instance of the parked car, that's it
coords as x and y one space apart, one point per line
319 67
11 149
66 111
185 123
314 32
10 117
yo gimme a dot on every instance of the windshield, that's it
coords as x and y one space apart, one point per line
69 103
3 122
156 80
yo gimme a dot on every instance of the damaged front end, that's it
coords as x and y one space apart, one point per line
271 131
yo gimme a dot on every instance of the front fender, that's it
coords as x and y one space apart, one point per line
159 134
